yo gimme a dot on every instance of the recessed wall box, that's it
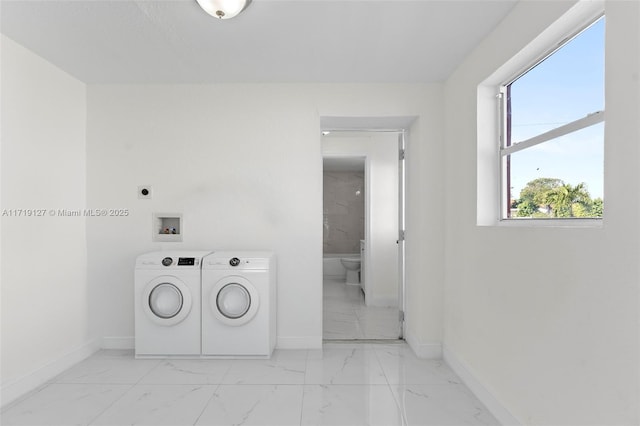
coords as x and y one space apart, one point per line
167 227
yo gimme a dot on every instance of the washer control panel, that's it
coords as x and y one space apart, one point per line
182 261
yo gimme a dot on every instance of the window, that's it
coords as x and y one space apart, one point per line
552 133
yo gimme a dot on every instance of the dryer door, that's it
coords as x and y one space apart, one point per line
234 300
166 300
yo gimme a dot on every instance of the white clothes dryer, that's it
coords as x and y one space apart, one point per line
239 304
167 303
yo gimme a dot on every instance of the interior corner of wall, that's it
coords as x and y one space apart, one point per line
424 350
14 389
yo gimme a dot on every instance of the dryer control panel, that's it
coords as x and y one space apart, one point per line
232 262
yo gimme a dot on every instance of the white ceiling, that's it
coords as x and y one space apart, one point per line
174 41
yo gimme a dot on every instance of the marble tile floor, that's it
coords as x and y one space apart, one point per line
346 317
342 384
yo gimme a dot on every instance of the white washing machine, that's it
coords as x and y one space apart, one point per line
239 304
167 303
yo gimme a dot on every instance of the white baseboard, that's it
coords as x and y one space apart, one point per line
281 343
383 302
306 342
492 403
16 388
338 277
432 350
111 342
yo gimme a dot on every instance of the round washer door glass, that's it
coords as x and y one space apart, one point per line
233 301
165 300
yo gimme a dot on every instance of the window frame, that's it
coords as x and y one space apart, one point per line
507 147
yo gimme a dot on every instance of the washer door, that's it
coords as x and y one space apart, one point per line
166 300
234 300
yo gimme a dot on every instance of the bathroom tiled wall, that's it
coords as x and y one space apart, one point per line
343 212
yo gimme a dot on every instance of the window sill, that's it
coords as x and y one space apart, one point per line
551 223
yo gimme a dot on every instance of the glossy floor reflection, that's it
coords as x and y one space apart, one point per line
342 384
346 317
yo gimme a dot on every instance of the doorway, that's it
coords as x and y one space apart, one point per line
363 188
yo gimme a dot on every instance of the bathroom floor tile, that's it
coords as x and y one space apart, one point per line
158 405
346 317
379 322
341 325
351 405
63 404
254 405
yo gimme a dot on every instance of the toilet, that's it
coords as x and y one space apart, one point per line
352 264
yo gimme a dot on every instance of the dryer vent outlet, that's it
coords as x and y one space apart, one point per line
144 192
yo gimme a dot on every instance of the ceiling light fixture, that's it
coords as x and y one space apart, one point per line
223 9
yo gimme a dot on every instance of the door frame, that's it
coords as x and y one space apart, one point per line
402 139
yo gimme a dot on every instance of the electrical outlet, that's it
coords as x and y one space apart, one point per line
144 192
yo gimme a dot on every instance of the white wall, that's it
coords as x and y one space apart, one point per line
381 152
424 238
45 314
546 319
243 163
